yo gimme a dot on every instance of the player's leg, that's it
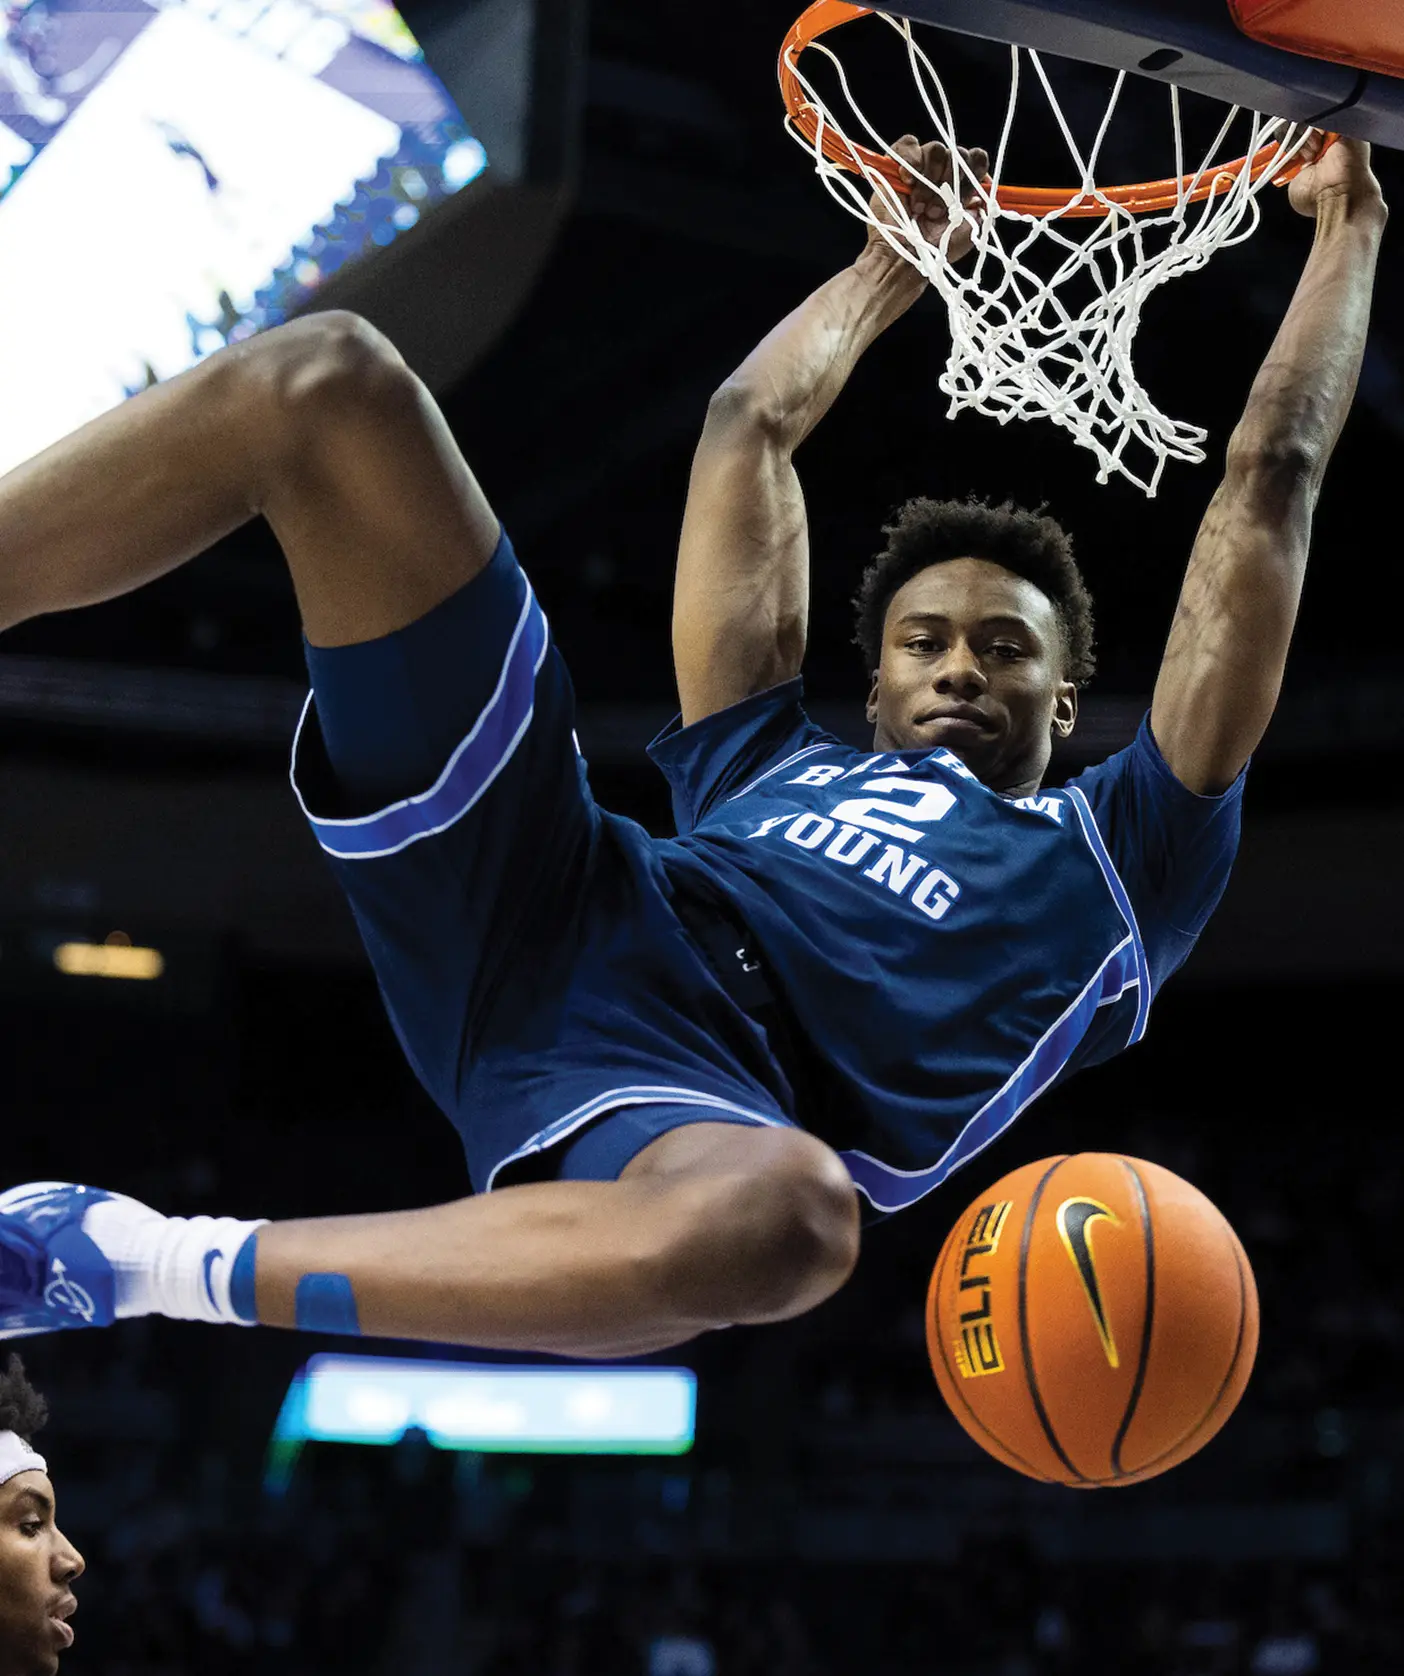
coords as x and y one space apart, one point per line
711 1225
319 424
137 491
377 513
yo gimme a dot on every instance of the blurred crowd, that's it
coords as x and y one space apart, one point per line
998 1611
345 1587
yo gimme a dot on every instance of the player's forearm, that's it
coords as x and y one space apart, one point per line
794 375
1304 390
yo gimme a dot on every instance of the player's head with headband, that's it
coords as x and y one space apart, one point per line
38 1564
977 630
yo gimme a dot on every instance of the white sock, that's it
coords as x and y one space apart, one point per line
168 1265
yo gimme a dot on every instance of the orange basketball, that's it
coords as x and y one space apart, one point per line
1092 1320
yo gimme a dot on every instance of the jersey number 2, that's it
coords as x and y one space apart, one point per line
933 803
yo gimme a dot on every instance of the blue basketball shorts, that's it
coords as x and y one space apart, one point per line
525 941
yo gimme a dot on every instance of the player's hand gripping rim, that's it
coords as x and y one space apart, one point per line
926 169
1332 166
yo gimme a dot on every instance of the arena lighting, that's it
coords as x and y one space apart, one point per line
489 1408
115 958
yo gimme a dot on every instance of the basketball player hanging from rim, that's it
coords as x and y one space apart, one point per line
682 1065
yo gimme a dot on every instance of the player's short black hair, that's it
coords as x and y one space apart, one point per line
925 532
22 1410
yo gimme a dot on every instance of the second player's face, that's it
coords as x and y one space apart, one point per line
973 660
38 1567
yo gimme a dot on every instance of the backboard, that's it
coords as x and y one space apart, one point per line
1194 44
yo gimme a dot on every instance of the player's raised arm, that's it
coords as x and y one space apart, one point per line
740 604
1223 663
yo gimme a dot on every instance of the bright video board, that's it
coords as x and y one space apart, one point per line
490 1408
176 175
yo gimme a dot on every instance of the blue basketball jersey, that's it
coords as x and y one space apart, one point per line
947 952
929 955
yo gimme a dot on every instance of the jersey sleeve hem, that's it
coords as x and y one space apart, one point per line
711 759
675 739
1174 847
1146 740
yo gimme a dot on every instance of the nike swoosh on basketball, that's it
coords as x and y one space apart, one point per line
1075 1219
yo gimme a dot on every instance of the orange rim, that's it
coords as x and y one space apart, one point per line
1143 197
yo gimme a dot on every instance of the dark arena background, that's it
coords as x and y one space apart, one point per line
641 222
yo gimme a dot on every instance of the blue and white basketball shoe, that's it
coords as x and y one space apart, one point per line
52 1276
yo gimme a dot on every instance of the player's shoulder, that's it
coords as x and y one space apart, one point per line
717 756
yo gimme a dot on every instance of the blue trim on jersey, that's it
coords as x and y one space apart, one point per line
472 768
639 1095
1093 835
891 1189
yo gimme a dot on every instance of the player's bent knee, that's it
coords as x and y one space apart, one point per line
765 1243
809 1246
795 1230
321 362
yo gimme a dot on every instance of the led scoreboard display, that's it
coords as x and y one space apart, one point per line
177 175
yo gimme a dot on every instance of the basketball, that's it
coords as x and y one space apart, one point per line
1092 1320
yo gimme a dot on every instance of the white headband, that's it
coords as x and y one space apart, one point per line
16 1456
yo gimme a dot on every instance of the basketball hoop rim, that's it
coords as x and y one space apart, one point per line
1140 198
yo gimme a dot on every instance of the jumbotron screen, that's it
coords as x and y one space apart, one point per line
177 175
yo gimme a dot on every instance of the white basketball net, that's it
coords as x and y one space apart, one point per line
1018 348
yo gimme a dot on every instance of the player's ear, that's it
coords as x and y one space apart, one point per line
1064 709
872 709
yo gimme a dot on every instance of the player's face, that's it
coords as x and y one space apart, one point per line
38 1567
973 660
